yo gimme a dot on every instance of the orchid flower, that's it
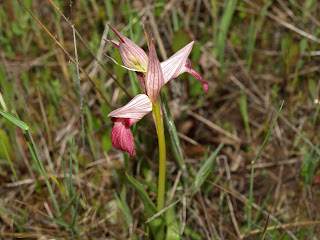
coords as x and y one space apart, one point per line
134 58
152 75
138 107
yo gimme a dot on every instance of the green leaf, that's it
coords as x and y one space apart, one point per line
252 168
124 209
244 113
69 204
313 88
174 138
172 225
14 120
192 234
150 208
16 29
6 146
180 39
205 170
225 23
58 221
156 225
106 141
309 166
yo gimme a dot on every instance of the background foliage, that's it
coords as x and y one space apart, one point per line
62 179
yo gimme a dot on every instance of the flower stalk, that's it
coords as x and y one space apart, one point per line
162 155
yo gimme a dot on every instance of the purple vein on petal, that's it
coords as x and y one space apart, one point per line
154 78
175 65
137 108
134 48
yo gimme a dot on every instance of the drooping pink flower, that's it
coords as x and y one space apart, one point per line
171 68
121 135
124 117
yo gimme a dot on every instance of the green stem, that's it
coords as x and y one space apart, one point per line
162 155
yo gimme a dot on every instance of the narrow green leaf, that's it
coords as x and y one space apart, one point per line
225 23
251 42
174 138
68 204
74 213
205 170
150 208
254 29
172 225
252 168
124 209
35 155
58 221
70 185
14 120
192 234
9 161
244 113
156 225
5 149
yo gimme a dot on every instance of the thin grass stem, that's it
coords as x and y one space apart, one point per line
252 168
79 85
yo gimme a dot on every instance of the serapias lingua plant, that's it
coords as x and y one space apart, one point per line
152 75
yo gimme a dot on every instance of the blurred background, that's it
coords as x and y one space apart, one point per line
62 179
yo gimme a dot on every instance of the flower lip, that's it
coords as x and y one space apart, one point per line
121 136
124 117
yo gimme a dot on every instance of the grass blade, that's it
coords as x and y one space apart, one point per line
252 167
174 139
124 209
205 170
157 225
11 164
14 120
244 113
150 208
36 157
230 7
172 225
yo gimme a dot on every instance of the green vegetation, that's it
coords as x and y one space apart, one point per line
242 161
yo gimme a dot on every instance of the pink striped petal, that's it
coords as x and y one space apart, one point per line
124 118
175 65
137 108
132 55
180 63
154 77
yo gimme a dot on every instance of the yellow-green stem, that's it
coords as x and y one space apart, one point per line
162 156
